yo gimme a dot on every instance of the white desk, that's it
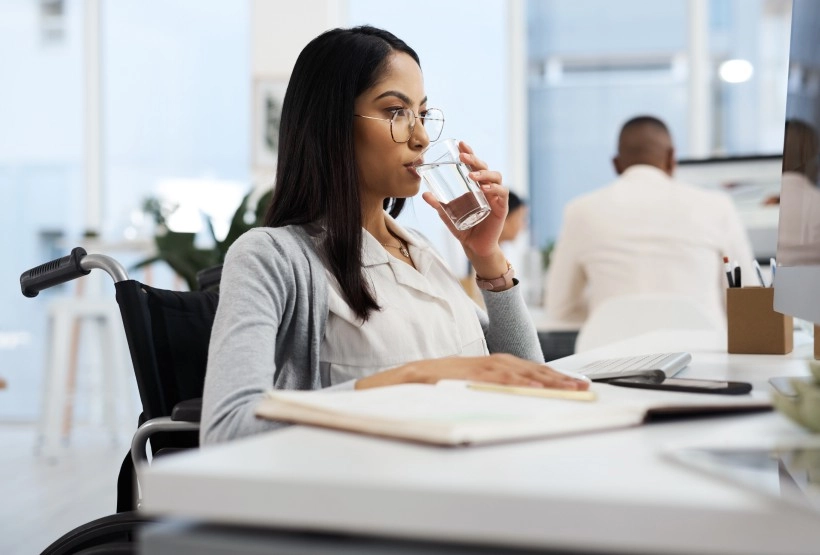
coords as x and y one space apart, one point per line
611 491
543 322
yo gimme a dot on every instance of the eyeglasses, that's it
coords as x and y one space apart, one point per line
403 123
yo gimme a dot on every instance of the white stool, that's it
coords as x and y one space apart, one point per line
65 318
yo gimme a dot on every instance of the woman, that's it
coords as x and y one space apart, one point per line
333 293
516 218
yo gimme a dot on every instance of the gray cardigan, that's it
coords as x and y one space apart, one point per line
270 323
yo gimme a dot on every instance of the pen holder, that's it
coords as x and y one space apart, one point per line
754 327
816 342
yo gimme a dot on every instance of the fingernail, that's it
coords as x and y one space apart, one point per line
574 375
486 187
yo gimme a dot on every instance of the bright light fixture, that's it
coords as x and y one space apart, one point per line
736 71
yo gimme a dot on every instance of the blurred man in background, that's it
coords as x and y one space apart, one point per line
645 233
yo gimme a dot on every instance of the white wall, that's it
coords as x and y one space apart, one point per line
281 28
279 31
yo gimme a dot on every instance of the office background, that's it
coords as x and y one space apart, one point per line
538 87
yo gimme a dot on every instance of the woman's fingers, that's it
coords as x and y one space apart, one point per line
531 379
489 180
473 161
468 157
497 195
464 147
496 368
515 371
430 199
486 176
547 375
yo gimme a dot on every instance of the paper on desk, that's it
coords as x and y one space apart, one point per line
451 414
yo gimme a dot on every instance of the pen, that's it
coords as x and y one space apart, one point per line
547 392
728 270
773 266
758 272
737 275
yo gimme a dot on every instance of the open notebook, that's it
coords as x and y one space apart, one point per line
450 413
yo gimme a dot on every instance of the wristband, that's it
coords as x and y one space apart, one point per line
505 281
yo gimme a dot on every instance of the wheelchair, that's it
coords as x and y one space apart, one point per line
167 334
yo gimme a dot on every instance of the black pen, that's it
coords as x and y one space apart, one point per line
737 275
759 273
773 266
728 270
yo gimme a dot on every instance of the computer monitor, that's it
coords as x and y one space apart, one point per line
753 182
797 280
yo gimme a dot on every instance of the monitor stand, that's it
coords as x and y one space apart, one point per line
783 385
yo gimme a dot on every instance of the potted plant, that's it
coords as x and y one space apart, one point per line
178 249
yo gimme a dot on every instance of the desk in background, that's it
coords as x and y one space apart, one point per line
557 338
594 493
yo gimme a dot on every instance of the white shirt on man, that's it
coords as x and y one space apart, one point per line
646 233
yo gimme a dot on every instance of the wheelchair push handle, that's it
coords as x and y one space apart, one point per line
77 264
53 273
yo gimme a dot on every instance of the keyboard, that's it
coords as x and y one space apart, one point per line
657 366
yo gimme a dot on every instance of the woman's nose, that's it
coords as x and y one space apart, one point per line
420 137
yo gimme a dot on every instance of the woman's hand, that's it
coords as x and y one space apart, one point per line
480 242
496 368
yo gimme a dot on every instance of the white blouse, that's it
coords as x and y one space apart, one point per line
424 314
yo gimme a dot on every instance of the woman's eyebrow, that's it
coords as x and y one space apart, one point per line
400 95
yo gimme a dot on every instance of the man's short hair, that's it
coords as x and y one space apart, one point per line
639 121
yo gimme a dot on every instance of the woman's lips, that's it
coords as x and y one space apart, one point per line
412 169
411 166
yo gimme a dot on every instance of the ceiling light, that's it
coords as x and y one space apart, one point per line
736 71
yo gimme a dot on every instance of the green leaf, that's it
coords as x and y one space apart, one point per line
185 259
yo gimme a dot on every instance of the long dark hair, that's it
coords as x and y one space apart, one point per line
316 175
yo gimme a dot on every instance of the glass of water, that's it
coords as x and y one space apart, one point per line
447 177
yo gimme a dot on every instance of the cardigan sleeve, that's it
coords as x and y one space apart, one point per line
264 333
508 325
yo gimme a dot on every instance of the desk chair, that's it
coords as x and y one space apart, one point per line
557 344
630 315
167 334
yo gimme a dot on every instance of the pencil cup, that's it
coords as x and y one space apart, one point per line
816 342
754 326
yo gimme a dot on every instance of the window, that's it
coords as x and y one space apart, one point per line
175 95
713 70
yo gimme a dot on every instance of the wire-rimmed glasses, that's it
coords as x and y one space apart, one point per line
403 123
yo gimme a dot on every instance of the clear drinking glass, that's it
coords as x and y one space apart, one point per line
449 181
